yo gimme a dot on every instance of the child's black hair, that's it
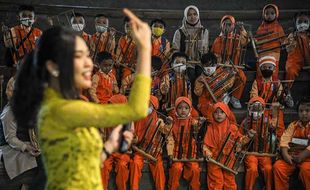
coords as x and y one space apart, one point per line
103 56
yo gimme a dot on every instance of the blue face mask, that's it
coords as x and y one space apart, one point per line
150 110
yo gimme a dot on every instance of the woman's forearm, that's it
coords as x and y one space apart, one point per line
144 61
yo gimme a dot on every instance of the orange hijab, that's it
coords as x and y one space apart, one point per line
275 7
257 99
232 20
177 121
217 131
118 99
141 125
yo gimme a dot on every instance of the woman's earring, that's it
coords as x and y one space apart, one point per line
55 73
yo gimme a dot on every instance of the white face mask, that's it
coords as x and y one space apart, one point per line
27 21
256 110
101 28
78 27
302 27
209 70
256 115
179 67
150 110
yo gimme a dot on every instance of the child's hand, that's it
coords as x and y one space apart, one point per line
207 153
201 120
273 123
135 139
169 120
291 42
141 32
160 122
239 147
251 133
162 127
202 80
165 88
275 104
288 158
243 31
112 31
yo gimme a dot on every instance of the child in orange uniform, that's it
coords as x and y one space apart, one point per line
219 129
182 123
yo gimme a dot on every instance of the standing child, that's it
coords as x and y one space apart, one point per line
298 50
270 24
228 46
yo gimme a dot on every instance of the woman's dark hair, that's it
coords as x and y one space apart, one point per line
57 45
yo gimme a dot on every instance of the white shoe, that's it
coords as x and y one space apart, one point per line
226 98
235 103
289 101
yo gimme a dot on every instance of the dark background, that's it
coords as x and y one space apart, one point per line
171 11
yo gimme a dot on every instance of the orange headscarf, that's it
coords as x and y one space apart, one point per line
141 125
118 99
273 6
217 131
232 20
181 99
257 99
177 121
229 17
154 102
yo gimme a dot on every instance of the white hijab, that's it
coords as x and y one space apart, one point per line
185 26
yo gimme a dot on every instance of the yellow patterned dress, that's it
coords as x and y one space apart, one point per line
70 142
